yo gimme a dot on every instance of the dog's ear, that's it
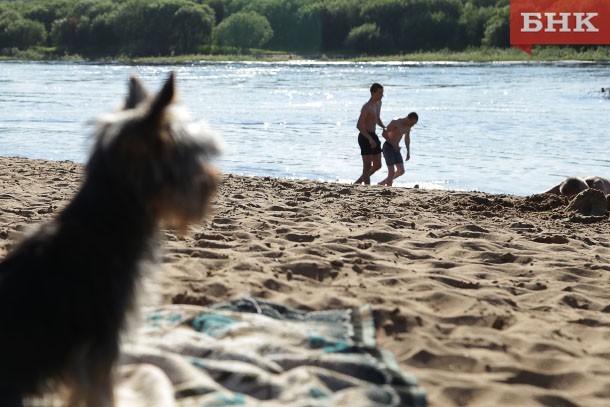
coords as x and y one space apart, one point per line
137 93
163 99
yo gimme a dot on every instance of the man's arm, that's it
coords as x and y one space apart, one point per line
379 122
361 125
408 142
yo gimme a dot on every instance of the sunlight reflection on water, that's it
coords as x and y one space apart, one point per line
504 128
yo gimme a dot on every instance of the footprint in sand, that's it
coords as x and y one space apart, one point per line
561 381
300 238
224 223
555 239
453 363
463 284
553 400
275 285
212 244
314 270
577 302
379 236
467 231
277 208
199 253
504 258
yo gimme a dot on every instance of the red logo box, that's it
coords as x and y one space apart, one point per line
559 22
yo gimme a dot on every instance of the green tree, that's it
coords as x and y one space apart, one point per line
295 23
103 36
428 25
386 14
368 39
497 29
19 32
472 23
47 12
91 8
163 27
192 25
244 30
308 32
70 33
86 27
219 7
337 19
154 33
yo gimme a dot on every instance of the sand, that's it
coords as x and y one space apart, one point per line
491 300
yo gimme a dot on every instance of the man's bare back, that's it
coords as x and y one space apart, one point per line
396 129
394 132
391 149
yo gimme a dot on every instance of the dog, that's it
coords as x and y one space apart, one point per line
67 290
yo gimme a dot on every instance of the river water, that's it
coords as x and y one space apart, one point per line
515 128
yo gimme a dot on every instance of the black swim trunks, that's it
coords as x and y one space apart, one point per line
365 145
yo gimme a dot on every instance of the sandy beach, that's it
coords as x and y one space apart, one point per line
491 300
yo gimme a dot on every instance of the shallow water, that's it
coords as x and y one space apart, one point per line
512 128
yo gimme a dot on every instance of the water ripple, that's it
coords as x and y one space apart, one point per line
498 127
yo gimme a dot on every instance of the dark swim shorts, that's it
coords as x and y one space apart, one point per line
392 157
365 146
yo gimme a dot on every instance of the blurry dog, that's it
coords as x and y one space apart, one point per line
65 292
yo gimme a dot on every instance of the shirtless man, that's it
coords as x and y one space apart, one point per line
370 146
391 149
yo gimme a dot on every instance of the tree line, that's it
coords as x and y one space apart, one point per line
174 27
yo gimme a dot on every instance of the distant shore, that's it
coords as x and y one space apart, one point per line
540 54
489 299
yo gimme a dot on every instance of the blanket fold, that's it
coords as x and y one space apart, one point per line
251 352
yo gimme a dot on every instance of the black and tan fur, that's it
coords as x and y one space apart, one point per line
65 291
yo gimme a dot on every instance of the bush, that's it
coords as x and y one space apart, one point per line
337 18
21 33
162 27
244 30
192 26
497 30
48 11
102 33
367 38
70 33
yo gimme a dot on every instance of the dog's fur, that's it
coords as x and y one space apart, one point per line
65 291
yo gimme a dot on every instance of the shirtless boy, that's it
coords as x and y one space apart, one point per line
391 149
370 146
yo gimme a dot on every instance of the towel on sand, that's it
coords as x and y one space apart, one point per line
250 352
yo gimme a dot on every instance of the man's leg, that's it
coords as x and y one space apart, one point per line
366 170
375 163
390 177
400 169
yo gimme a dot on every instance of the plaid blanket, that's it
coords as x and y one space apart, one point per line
250 352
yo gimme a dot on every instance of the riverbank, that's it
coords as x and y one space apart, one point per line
488 299
540 54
